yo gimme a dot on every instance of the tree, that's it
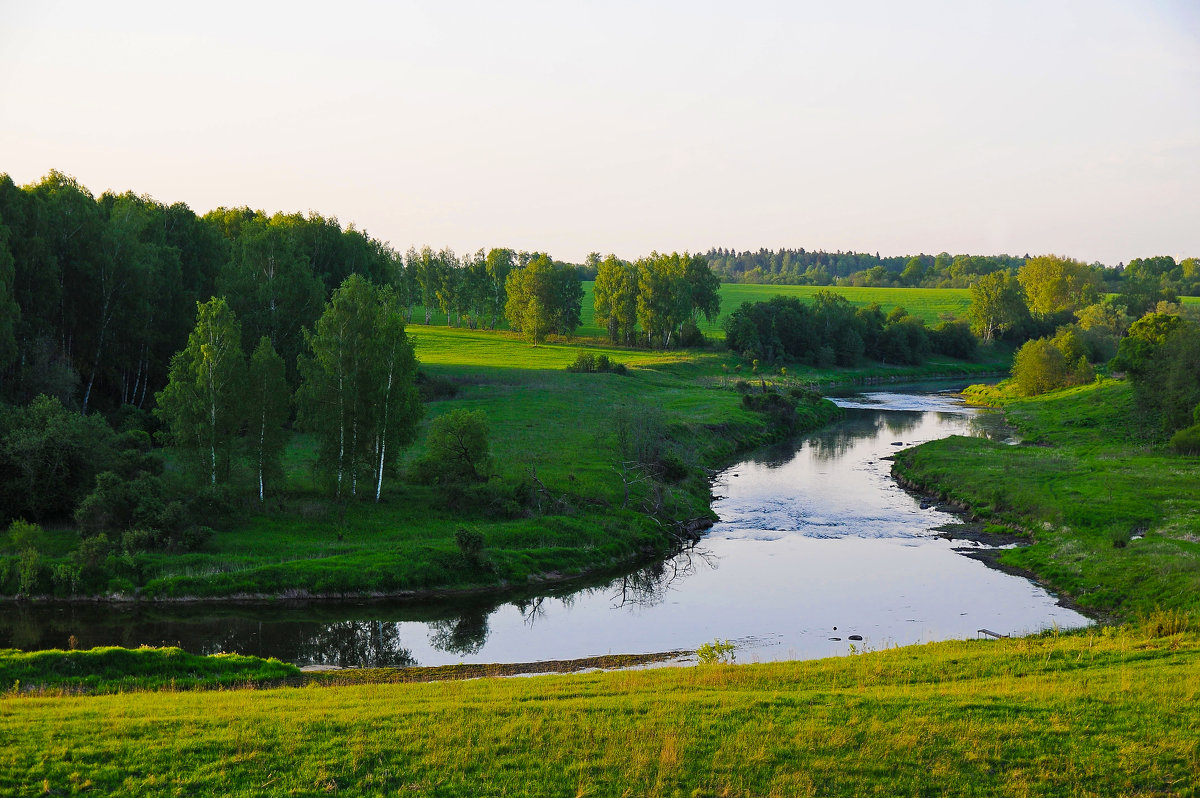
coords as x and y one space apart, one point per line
270 286
458 448
49 458
531 295
423 267
10 312
615 298
201 403
1055 284
267 412
358 390
997 304
1041 365
398 403
499 263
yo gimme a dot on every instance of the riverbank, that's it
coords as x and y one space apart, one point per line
1111 514
590 472
1100 712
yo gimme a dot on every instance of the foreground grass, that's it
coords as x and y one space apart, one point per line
1114 515
1104 712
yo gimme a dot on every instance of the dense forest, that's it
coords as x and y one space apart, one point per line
1158 275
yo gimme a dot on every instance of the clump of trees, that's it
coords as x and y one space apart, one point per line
657 299
832 332
1161 356
358 390
543 297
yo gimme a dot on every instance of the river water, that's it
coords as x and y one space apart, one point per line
816 543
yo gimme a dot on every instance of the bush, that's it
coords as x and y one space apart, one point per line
1040 366
587 363
690 335
954 339
469 542
24 535
1187 440
457 449
433 389
718 651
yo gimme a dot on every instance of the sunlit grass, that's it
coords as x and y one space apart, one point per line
1104 712
1114 514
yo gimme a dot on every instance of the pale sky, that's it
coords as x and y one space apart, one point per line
898 127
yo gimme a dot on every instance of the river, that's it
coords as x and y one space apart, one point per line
817 550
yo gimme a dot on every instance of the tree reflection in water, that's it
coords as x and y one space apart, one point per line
465 634
343 644
648 587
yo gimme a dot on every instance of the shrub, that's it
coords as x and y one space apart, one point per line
24 535
717 652
457 449
587 363
691 335
433 389
1187 440
1040 366
469 542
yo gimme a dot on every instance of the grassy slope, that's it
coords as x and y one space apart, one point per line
1105 712
1086 484
541 417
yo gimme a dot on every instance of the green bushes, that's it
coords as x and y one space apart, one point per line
1042 365
113 669
587 363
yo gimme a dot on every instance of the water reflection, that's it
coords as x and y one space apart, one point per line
814 534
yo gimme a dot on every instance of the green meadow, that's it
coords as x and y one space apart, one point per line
1108 711
552 432
1112 513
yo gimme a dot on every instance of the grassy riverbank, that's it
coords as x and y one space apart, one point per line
1113 514
120 670
1103 712
556 505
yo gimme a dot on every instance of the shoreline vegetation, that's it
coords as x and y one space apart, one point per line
1108 511
558 430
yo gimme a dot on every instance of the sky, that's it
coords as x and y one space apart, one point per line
625 127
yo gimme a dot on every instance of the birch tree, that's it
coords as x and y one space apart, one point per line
267 413
200 404
358 390
398 403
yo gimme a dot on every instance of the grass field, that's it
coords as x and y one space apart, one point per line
1114 514
1104 712
931 304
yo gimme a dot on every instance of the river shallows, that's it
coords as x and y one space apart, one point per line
816 544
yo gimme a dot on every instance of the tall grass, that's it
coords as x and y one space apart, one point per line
1105 712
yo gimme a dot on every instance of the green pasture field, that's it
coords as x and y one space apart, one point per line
1108 711
934 305
1114 514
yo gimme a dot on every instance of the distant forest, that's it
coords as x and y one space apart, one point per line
1162 275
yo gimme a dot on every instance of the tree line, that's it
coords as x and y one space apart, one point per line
656 300
1161 275
98 293
832 332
